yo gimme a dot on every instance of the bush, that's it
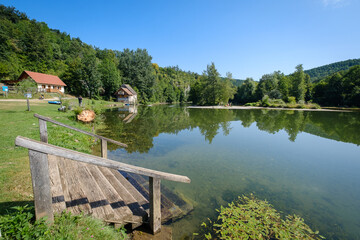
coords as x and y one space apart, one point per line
265 101
291 100
21 225
77 110
250 218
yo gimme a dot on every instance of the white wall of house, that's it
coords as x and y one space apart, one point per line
130 99
43 87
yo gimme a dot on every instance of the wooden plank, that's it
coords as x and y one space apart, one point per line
99 204
79 130
41 184
131 189
43 131
115 200
155 205
87 158
125 194
168 209
57 193
103 148
75 197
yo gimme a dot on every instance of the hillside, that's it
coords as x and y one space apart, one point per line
26 44
320 72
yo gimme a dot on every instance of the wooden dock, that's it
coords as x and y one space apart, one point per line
115 192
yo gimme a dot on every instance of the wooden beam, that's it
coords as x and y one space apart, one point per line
78 130
43 131
39 168
103 148
155 204
87 158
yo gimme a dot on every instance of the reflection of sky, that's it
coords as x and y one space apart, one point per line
315 177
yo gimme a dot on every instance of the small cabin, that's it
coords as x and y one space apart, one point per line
126 94
45 82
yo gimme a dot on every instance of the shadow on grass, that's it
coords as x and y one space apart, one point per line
7 207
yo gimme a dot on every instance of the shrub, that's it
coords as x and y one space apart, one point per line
265 101
77 110
251 218
302 102
291 100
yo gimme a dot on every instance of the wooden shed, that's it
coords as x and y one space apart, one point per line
126 94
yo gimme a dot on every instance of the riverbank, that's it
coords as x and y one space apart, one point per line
272 108
15 180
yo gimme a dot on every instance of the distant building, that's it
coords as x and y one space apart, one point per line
126 94
45 82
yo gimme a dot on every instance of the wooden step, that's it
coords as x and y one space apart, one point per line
139 215
111 195
169 210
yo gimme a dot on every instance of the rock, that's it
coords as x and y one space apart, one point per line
86 116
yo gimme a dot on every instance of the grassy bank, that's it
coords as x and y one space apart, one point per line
15 181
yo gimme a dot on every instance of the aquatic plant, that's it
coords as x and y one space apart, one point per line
251 218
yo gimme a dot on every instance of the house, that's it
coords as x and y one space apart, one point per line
126 94
45 82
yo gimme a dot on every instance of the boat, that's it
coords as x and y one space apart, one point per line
54 102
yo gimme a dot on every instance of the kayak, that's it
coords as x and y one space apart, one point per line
54 102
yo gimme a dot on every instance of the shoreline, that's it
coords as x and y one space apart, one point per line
270 108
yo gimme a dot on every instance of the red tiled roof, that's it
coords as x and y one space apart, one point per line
42 78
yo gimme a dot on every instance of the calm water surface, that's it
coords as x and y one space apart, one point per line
302 162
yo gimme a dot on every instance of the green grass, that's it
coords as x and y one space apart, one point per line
15 180
20 224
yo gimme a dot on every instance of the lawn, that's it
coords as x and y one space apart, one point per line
15 120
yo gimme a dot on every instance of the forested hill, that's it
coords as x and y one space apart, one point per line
320 72
27 44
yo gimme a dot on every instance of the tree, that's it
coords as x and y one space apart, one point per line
298 80
137 71
246 92
110 77
211 85
227 89
91 77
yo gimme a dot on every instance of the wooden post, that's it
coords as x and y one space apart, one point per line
28 104
103 148
43 131
155 204
39 168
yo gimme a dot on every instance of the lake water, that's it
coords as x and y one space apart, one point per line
302 162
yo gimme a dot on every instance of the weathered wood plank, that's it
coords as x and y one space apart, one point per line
115 200
41 184
124 192
99 204
43 131
87 158
103 148
57 193
155 205
75 197
169 210
131 189
78 130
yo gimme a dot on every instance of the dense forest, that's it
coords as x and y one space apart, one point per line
318 73
339 89
87 70
26 44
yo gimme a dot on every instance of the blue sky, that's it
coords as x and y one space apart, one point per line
246 38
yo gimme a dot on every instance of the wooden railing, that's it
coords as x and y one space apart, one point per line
40 171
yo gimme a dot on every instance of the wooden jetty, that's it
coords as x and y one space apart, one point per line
115 192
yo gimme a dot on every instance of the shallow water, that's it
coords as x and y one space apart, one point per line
301 162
